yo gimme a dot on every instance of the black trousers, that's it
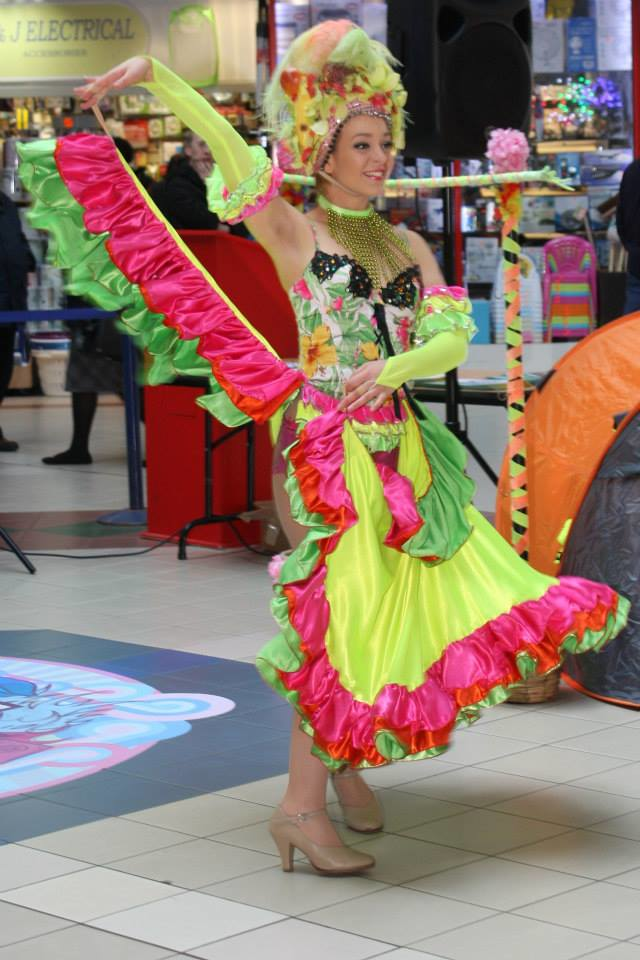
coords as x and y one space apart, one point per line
7 340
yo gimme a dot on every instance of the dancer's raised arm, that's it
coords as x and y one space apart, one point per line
245 172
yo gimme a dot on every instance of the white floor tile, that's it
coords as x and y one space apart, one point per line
293 938
88 894
269 791
553 763
20 865
623 780
538 727
405 810
630 878
468 747
484 831
80 943
407 771
498 884
293 893
570 703
601 908
506 936
254 837
406 953
569 805
400 859
397 915
195 864
202 816
474 786
582 853
105 840
620 951
627 825
186 921
622 742
19 923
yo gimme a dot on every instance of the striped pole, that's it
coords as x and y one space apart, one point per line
546 175
510 199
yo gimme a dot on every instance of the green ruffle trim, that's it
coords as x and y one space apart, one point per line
439 313
246 194
379 437
443 506
92 274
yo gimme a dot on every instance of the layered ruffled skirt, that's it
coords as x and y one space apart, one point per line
403 612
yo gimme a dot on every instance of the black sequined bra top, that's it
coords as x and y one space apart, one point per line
402 291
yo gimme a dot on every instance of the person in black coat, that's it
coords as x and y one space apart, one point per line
182 195
16 261
628 224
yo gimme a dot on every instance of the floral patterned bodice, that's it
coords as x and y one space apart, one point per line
334 305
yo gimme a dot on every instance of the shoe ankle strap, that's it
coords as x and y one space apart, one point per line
300 817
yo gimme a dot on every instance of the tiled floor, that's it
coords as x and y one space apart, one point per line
523 841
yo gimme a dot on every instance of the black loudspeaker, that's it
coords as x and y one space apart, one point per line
466 68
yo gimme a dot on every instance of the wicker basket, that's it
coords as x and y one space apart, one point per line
536 689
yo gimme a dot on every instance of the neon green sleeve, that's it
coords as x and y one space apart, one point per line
443 327
441 353
233 156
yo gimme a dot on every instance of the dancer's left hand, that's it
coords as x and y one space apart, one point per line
361 388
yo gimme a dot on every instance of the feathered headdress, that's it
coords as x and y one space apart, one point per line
330 73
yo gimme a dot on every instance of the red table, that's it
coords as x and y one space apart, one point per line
175 425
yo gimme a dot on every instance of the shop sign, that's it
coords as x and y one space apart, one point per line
581 44
63 40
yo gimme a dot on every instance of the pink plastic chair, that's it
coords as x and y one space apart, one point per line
569 288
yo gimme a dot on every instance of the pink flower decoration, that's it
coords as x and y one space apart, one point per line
300 287
508 150
337 304
285 157
275 565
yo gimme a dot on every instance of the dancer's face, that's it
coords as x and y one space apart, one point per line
363 156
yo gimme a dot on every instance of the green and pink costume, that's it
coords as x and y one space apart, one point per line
402 612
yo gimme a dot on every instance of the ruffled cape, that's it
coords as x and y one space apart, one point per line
120 253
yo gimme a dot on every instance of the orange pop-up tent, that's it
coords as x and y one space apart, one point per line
569 426
584 490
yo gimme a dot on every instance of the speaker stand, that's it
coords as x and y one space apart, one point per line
14 548
452 387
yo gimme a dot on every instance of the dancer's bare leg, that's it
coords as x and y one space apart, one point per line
308 776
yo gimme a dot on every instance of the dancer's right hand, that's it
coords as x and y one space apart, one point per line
126 74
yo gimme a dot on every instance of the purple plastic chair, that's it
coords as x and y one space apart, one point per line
569 288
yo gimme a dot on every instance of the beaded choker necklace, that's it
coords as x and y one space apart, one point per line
370 240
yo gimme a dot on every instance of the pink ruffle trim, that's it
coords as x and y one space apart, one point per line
251 208
142 247
458 293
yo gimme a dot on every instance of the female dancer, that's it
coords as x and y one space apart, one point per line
402 611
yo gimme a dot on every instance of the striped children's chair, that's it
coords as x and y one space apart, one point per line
569 288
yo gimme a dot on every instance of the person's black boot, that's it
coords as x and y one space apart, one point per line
69 456
7 446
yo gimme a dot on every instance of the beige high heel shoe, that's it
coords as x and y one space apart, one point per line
362 819
334 861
